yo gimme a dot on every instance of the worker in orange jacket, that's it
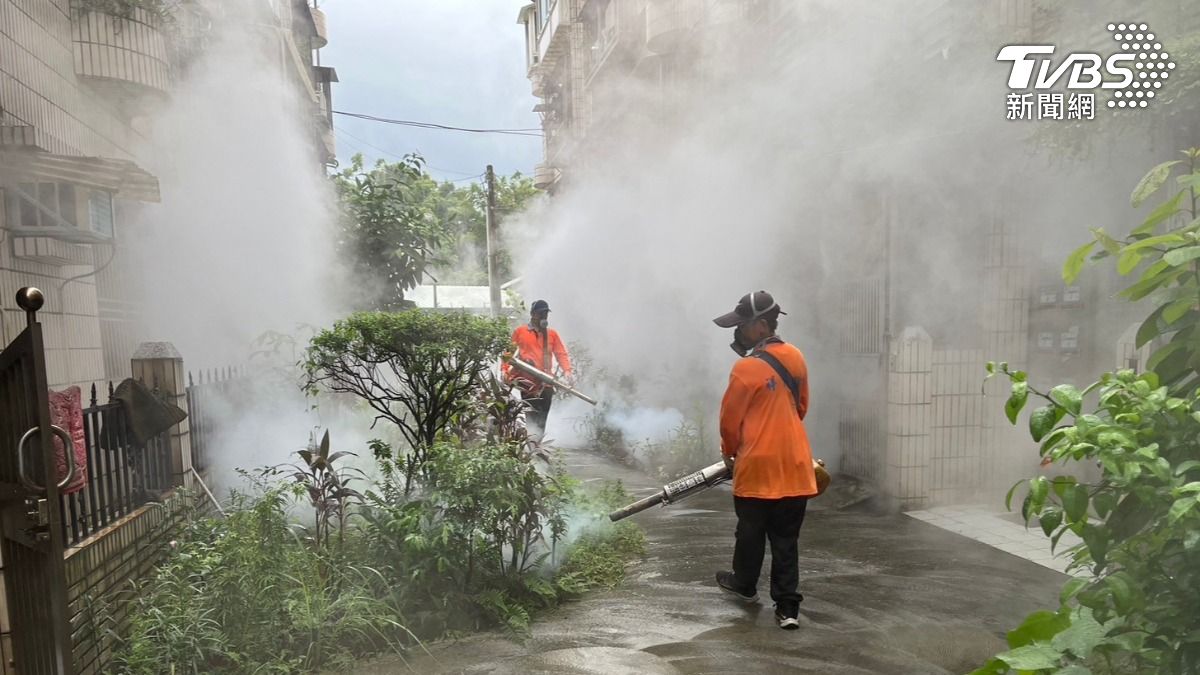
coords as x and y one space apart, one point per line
537 344
764 442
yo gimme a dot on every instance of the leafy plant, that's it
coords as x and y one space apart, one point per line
386 236
414 369
1135 608
328 489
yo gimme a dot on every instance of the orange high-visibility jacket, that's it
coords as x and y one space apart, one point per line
761 430
536 348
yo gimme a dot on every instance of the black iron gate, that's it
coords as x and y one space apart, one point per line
30 510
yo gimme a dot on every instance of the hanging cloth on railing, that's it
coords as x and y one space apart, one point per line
66 413
146 414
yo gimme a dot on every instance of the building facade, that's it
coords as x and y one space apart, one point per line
78 86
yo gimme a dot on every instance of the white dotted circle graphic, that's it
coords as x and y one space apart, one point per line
1150 63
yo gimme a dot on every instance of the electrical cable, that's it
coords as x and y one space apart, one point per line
392 154
441 127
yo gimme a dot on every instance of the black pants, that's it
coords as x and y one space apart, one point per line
779 521
539 407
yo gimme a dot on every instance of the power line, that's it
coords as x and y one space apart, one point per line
441 127
468 174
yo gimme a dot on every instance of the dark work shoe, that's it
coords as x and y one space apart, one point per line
727 582
787 620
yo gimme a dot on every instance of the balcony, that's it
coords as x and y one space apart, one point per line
668 22
126 53
322 28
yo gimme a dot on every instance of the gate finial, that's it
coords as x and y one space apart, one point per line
31 300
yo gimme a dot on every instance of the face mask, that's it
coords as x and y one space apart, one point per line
541 323
741 344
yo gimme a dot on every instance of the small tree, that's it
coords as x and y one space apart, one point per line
414 369
387 236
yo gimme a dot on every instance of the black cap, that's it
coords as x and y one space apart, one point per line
539 306
750 307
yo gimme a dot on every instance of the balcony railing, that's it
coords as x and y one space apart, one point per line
120 49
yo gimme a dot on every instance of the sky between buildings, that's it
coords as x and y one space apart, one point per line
453 62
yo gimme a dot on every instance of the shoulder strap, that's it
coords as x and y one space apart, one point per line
783 373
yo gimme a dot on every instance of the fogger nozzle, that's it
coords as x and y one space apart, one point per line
546 378
676 490
699 482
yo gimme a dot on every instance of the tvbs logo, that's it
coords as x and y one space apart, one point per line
1132 75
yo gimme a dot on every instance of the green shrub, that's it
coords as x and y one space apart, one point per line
1136 607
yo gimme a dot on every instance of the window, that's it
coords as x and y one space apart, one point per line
1069 340
543 13
100 213
60 210
1071 296
1047 295
43 205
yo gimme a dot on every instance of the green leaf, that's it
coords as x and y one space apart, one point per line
1042 421
1069 589
1187 466
1111 245
1016 401
1075 669
1039 488
1068 397
1128 261
1082 636
1149 329
1163 212
1075 502
1104 502
1171 238
1038 627
1181 508
1096 539
1050 520
1162 354
1008 497
1180 256
1151 182
1074 264
1176 310
1037 656
1123 591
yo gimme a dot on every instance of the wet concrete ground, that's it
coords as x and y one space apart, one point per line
883 594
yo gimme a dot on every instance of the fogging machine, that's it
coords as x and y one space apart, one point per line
700 481
546 378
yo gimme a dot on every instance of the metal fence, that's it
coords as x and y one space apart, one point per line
204 392
121 475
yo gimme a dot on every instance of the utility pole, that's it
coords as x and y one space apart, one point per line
493 244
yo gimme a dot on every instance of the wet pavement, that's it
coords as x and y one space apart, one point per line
883 594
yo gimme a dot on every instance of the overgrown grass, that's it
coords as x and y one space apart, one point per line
257 593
